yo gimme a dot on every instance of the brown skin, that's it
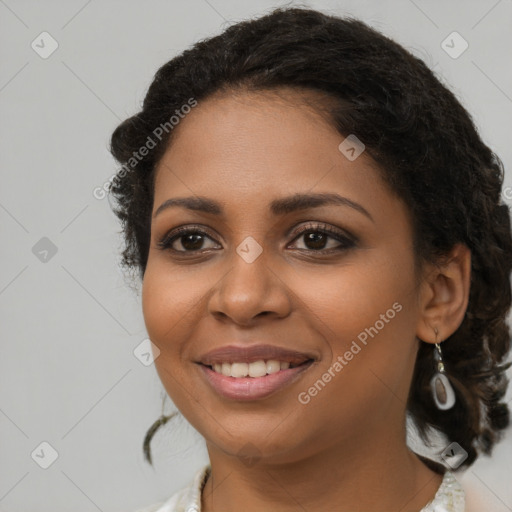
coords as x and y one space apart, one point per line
345 450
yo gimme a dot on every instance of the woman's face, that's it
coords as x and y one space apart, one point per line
264 271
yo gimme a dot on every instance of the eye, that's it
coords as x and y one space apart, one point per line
192 239
316 238
189 238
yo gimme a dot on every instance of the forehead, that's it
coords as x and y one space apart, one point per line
251 147
251 120
253 130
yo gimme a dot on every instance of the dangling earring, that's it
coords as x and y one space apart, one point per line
442 391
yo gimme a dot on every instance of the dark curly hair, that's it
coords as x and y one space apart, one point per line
427 148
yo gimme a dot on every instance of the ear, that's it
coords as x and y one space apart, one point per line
444 295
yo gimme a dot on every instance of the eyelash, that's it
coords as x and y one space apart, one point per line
347 242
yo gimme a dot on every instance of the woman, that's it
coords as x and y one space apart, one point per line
324 254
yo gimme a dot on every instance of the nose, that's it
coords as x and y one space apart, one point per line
250 290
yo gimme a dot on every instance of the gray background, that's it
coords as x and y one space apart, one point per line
70 323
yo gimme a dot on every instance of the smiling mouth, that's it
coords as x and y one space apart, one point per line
250 381
255 369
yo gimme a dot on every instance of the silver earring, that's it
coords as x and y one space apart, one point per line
442 390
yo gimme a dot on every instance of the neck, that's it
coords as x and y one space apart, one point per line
370 473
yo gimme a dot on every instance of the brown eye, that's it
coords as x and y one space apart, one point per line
316 238
320 238
190 240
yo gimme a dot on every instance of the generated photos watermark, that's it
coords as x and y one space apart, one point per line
304 397
151 142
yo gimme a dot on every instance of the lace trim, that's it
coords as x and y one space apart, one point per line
450 497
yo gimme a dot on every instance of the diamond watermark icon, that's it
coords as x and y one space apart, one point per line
454 455
146 352
351 147
44 45
44 250
45 455
249 249
454 45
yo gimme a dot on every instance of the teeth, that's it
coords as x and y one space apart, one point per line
255 369
239 370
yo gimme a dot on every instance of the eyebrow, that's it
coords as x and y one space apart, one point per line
281 206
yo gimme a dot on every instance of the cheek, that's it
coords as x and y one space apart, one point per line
343 302
170 298
364 314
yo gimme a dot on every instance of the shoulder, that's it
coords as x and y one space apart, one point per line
450 496
187 499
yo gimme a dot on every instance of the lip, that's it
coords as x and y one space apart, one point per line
252 388
252 353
